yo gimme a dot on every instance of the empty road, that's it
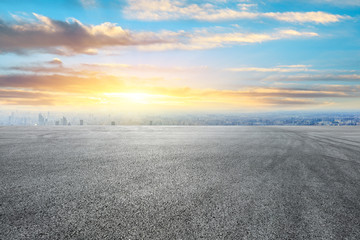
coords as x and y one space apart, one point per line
153 182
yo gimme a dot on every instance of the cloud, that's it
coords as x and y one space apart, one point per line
6 93
53 89
73 37
23 97
121 68
292 102
181 97
317 78
62 83
246 6
278 69
172 10
150 72
207 40
266 92
28 97
54 84
27 102
54 66
303 17
56 61
233 38
294 66
69 37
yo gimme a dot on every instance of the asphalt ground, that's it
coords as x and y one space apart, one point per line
113 182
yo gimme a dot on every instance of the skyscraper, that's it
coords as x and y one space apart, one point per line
64 121
41 120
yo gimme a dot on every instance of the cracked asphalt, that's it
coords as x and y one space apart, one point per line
156 182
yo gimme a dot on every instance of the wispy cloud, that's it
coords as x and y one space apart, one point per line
207 40
278 69
55 89
141 68
316 74
291 102
62 83
28 97
303 17
7 93
317 78
56 66
172 10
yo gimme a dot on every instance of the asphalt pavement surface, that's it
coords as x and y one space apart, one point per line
155 182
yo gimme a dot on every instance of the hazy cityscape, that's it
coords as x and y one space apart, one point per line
245 119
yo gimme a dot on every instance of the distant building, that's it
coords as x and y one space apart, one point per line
112 123
64 121
81 122
56 123
41 120
12 118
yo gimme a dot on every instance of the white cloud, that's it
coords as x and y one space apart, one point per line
294 66
277 69
246 6
208 40
56 61
211 40
172 10
301 17
307 73
256 69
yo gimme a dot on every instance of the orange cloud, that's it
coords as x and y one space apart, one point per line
61 83
67 87
152 97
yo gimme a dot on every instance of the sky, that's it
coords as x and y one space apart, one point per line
172 55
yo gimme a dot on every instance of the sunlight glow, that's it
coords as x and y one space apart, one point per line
142 98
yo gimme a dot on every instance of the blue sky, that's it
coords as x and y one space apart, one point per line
182 55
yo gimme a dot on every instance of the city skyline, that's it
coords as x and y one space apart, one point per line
284 118
179 56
